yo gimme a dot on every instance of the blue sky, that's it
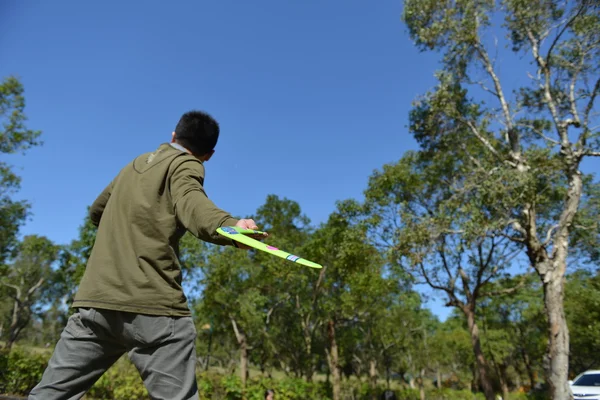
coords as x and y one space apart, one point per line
312 96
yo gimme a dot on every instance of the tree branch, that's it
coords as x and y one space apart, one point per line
479 136
238 336
513 238
513 136
473 159
482 266
573 104
442 254
549 234
588 109
318 284
549 99
35 287
465 281
516 225
539 133
562 31
17 289
507 290
285 297
433 285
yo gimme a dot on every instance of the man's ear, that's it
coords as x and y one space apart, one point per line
208 155
173 137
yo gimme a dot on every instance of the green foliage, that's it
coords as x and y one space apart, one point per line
74 258
121 381
232 386
586 240
512 162
21 370
29 282
582 307
286 388
14 137
444 394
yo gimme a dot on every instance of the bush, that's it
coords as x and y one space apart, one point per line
229 387
450 394
287 389
121 382
21 370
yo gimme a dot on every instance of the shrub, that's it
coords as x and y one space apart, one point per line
121 382
450 394
21 370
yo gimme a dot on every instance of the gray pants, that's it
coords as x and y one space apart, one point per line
161 348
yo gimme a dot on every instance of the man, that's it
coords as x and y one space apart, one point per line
130 298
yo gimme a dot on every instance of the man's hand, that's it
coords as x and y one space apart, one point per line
248 224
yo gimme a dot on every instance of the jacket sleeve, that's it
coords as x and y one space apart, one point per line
196 212
99 205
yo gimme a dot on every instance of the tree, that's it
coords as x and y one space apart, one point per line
535 139
454 353
513 331
439 239
352 283
293 328
29 282
231 294
389 331
73 259
246 289
14 137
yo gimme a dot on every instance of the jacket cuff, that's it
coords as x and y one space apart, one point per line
229 222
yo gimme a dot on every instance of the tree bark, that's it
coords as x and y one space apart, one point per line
422 384
481 363
557 362
243 342
19 320
308 328
373 377
21 310
552 268
503 381
209 349
387 376
309 363
333 359
439 378
243 361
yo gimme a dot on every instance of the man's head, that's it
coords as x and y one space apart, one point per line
198 132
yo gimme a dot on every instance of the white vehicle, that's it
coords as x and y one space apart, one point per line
586 386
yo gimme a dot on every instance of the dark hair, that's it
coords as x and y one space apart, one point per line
268 392
198 132
388 395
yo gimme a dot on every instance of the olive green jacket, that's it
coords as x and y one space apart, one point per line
141 216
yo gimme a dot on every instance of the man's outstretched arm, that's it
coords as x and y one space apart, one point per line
196 212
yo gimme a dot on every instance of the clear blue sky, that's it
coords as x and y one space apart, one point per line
312 96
